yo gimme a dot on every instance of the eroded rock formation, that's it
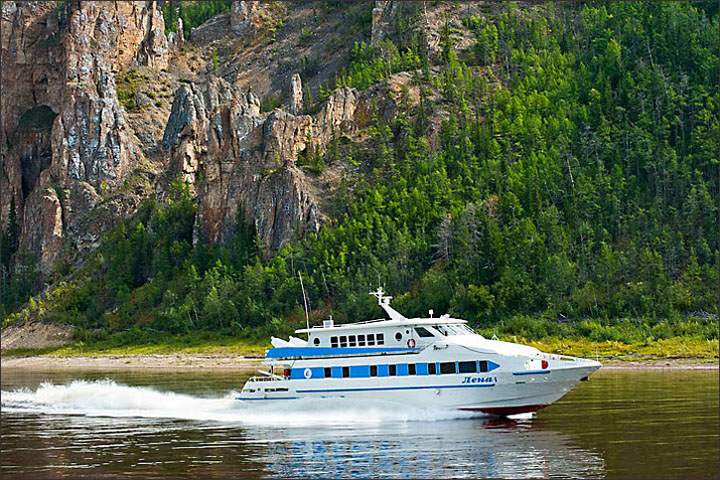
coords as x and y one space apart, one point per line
63 128
382 17
242 14
248 159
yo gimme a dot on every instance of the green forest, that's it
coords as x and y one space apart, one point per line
573 193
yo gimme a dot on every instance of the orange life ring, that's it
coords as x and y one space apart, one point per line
411 343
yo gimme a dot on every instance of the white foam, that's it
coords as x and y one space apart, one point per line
108 398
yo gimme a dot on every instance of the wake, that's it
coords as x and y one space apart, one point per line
106 398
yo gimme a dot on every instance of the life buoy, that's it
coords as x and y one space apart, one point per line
411 343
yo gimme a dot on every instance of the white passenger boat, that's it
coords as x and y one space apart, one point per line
426 362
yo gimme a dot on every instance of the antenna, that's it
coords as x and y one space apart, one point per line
307 317
384 302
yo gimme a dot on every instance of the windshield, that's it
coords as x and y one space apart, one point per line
450 330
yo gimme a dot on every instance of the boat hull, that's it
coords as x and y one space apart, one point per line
497 392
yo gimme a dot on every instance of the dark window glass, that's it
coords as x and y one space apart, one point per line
467 367
380 339
431 369
423 332
343 341
371 339
411 369
373 370
392 370
316 341
328 372
483 366
361 340
345 372
352 341
398 336
447 367
333 342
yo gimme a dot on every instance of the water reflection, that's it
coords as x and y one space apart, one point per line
187 425
456 448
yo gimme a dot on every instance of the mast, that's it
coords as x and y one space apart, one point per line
307 316
384 302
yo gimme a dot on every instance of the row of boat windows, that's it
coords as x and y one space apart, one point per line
278 389
372 339
392 370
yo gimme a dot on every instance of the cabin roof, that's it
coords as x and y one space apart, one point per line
373 324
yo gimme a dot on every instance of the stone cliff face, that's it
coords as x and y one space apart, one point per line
68 145
63 129
247 160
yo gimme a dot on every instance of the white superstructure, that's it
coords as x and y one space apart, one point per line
437 362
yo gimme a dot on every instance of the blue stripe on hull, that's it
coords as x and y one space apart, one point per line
420 387
284 352
534 372
269 398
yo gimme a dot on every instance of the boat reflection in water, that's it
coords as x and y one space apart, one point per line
491 448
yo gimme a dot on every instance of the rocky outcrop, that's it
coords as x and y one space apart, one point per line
177 37
242 15
186 132
30 77
63 128
153 50
382 18
248 159
296 95
42 226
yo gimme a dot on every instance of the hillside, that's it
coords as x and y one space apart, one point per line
540 170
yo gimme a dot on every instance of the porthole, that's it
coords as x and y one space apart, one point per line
316 342
398 336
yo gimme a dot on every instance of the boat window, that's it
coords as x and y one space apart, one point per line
392 370
467 329
345 372
371 339
328 372
483 366
458 329
447 367
373 370
361 340
333 342
423 332
442 329
316 341
431 369
398 336
351 341
467 367
380 339
343 341
411 369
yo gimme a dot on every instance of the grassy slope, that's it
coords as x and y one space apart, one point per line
694 349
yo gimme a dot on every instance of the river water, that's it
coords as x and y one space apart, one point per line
647 423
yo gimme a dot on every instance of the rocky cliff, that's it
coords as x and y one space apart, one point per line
248 160
91 127
64 138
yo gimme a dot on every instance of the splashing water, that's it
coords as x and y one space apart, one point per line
108 398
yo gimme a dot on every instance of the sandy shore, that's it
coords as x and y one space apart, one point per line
175 361
185 361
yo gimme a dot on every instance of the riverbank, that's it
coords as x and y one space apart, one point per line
195 361
177 361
